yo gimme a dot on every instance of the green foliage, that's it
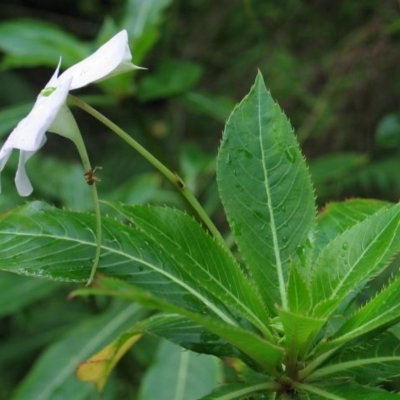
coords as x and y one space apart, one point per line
296 309
278 312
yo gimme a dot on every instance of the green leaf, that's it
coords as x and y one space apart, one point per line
172 78
300 332
349 261
267 355
192 376
53 375
345 390
339 216
188 334
19 291
178 234
42 241
241 391
382 311
299 296
370 363
266 191
29 43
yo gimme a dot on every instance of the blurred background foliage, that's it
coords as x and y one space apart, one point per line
332 66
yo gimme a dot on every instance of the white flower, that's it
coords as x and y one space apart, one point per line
49 113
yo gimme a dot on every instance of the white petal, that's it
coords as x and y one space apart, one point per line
54 79
29 135
65 124
114 57
22 181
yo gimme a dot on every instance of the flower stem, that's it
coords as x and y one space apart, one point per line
171 176
93 190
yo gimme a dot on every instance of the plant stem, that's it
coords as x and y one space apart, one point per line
93 190
171 176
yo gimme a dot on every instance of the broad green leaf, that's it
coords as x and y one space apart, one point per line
53 375
382 311
240 391
344 390
19 291
372 362
42 241
349 261
28 43
178 234
340 216
267 355
192 375
266 192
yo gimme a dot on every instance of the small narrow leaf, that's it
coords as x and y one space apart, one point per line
299 294
300 332
266 192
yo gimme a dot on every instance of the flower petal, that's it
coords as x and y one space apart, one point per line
114 57
65 124
29 135
22 181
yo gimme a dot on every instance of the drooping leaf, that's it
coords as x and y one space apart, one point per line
340 216
32 238
261 351
191 377
178 234
349 261
98 368
266 192
53 375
